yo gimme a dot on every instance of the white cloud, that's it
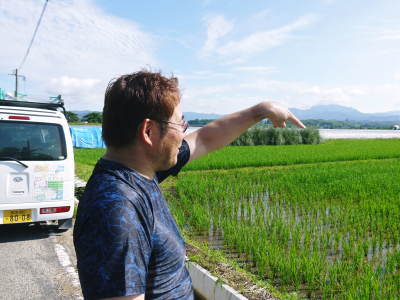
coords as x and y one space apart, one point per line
383 30
68 84
256 69
389 35
75 40
216 90
226 98
217 27
78 92
256 42
205 75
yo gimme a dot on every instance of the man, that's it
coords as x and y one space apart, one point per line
127 243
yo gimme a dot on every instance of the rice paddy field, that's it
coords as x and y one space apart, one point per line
330 151
320 220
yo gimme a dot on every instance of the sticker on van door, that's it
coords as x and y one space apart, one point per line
48 182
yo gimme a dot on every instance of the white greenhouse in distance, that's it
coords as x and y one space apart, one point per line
396 127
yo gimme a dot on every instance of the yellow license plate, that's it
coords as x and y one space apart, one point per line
17 216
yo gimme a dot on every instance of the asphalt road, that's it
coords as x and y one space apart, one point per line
37 262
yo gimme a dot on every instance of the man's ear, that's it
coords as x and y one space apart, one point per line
146 131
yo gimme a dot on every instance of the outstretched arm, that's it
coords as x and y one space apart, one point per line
221 132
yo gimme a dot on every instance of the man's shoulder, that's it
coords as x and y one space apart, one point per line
110 196
110 176
108 186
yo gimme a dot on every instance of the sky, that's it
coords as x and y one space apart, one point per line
227 55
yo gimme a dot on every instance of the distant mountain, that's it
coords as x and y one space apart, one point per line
343 113
322 112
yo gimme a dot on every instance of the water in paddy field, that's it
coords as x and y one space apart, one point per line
214 236
358 134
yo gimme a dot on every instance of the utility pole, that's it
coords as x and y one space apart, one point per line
27 52
16 83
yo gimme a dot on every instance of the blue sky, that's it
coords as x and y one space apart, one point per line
227 55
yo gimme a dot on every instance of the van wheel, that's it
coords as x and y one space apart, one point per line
64 225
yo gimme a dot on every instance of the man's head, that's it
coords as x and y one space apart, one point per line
132 98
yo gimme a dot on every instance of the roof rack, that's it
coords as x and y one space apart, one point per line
53 105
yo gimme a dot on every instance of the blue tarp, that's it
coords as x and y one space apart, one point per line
86 137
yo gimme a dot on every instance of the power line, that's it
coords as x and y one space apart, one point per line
34 34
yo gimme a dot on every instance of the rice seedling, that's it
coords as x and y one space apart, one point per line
259 156
309 228
330 151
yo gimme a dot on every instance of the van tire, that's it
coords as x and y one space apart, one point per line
64 225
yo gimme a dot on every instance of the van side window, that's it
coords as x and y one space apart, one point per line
32 141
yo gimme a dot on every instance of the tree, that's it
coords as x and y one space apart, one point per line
72 117
93 117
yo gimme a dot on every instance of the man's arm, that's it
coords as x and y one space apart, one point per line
221 132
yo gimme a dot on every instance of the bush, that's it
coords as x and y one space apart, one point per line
245 139
278 136
310 136
292 136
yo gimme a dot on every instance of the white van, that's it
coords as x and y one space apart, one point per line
36 164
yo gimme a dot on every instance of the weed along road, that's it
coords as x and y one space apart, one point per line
36 262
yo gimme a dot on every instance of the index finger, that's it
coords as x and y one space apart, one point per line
292 118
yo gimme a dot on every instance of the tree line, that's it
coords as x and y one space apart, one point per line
93 117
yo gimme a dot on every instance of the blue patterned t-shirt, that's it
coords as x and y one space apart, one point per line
126 240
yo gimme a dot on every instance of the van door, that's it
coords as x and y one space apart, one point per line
42 148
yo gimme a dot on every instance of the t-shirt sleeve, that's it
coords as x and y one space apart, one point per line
183 158
114 248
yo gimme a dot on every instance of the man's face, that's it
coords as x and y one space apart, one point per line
171 140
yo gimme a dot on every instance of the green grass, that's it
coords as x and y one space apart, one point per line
332 150
327 230
259 156
88 156
85 159
83 171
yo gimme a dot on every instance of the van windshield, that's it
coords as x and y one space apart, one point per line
31 141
